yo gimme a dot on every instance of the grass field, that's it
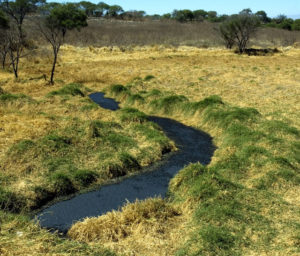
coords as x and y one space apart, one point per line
246 202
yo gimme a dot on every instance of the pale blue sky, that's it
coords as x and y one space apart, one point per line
272 7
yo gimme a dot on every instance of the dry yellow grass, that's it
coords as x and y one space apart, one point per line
150 227
270 84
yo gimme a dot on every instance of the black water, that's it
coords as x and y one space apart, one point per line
194 146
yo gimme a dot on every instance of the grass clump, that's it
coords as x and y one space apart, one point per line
117 225
226 117
168 104
149 77
85 177
135 99
132 115
8 97
118 89
11 202
62 184
72 89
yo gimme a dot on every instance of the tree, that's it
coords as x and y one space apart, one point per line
280 18
262 15
3 21
183 15
239 28
17 11
114 11
61 19
296 25
88 7
102 9
4 26
200 15
286 24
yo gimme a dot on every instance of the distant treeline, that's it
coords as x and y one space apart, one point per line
117 12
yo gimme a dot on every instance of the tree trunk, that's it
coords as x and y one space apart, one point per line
55 52
3 59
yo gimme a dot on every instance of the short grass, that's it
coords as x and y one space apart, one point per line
246 202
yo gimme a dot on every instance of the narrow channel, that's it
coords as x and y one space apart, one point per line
193 146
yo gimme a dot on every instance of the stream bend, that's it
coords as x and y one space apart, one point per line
193 146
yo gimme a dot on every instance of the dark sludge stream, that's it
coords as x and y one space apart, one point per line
193 146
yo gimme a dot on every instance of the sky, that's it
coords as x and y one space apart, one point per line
273 8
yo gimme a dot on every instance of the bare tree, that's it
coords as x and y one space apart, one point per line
15 36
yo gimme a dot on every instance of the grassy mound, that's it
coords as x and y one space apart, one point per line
72 89
78 152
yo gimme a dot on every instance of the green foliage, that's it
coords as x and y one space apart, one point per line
4 24
183 15
66 17
70 89
238 29
296 25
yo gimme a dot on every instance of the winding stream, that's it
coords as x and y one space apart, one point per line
193 146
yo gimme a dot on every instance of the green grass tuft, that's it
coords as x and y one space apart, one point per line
130 115
69 90
8 97
149 77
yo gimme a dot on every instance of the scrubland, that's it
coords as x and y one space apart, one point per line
55 142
